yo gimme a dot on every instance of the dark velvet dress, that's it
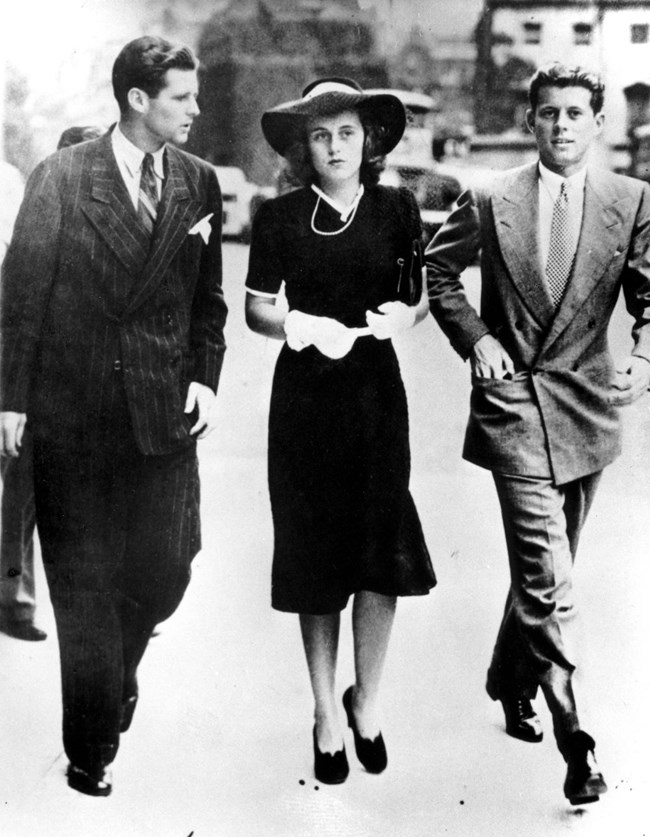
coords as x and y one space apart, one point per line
339 459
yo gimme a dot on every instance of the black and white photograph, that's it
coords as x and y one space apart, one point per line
324 418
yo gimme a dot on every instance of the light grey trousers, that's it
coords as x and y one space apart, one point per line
542 523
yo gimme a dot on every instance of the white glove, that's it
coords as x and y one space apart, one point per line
334 340
301 329
394 318
329 336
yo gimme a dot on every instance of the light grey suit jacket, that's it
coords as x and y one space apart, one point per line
553 419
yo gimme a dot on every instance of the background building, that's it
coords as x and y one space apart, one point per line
258 53
59 56
610 36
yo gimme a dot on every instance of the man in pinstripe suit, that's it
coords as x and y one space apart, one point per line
112 345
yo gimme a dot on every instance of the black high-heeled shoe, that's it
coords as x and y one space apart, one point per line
371 754
330 768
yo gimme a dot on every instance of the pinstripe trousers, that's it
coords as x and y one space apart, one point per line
118 533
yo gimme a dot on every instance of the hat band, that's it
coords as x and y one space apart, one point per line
330 87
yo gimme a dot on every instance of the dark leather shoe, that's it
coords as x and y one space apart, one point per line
98 783
330 768
22 630
371 753
522 721
584 782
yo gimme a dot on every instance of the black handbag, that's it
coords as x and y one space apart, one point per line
409 278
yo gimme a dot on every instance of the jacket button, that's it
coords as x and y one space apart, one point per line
117 365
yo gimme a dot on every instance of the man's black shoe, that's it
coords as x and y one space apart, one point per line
22 629
98 783
584 782
522 721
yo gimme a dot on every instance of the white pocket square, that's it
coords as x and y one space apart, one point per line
203 227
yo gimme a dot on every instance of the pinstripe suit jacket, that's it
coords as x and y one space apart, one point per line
554 418
95 314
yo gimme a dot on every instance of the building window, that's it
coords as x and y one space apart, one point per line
582 33
639 33
532 33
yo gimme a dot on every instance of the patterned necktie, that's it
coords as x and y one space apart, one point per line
562 248
148 196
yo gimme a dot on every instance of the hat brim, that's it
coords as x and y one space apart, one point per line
284 125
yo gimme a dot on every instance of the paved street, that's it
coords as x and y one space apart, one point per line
221 742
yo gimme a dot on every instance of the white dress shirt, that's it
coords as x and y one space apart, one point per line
549 189
129 161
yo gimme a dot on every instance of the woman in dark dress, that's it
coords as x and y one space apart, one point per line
344 520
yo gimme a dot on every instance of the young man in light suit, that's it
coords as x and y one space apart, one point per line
112 346
558 241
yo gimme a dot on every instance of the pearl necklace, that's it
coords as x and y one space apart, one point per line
347 223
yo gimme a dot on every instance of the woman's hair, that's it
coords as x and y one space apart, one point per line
301 172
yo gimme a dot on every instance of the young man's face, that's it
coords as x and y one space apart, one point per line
168 117
564 125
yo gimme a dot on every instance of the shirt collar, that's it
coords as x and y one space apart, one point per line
132 156
553 181
344 211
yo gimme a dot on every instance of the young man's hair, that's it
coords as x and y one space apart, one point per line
143 63
559 75
300 169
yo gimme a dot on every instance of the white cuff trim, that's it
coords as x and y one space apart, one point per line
261 293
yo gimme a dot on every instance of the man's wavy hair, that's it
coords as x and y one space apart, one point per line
300 170
559 75
142 63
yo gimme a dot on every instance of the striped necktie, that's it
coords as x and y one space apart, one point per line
148 195
562 248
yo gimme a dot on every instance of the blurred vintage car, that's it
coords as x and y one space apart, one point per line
411 162
434 190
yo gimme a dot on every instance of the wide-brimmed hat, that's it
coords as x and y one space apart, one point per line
284 124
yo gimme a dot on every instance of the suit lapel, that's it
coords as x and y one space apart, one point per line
110 210
178 210
516 214
599 236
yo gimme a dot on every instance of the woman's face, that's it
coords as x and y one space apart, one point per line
336 147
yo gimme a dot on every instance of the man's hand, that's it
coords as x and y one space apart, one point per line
202 399
631 381
490 360
12 426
